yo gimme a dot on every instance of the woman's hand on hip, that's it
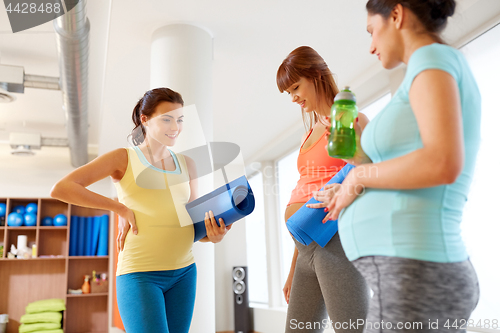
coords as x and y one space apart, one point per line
215 233
126 220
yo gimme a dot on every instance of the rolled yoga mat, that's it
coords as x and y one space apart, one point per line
230 202
306 224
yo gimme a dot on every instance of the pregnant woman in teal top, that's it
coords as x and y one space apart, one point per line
416 164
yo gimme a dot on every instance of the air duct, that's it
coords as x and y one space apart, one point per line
24 143
72 36
13 79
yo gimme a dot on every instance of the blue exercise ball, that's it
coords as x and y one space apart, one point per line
15 220
47 221
3 209
30 220
31 208
60 220
19 209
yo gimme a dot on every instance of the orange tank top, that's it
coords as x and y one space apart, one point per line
316 168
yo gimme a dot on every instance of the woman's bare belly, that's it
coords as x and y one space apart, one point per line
290 210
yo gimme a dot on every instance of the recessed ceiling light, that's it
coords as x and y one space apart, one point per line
22 151
6 98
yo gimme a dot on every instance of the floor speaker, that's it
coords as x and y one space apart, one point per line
242 314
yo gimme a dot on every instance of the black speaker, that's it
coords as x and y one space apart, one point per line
242 314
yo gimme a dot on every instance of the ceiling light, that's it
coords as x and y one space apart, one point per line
22 151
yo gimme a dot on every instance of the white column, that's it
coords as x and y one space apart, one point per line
181 59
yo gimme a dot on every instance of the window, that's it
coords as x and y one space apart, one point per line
256 245
481 224
374 108
288 176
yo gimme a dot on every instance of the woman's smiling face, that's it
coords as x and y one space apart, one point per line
303 92
165 124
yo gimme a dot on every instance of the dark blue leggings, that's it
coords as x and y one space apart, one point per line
158 301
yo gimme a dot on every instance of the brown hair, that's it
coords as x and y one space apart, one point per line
305 62
433 14
147 106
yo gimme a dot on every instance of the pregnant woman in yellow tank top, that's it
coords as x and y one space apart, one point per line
156 273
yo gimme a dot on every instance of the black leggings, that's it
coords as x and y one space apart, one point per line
414 295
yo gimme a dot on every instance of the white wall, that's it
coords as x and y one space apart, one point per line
34 176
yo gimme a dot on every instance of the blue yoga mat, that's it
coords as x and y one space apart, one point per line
89 223
230 202
73 235
80 244
96 221
102 247
306 226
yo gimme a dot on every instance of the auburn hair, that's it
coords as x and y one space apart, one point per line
305 62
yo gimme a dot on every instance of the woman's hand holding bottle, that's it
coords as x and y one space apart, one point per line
359 156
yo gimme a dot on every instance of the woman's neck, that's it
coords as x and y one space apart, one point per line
414 42
155 150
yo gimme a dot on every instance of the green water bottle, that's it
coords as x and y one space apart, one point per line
342 140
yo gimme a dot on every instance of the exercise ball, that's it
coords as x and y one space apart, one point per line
60 220
15 220
47 221
19 209
30 220
31 208
3 209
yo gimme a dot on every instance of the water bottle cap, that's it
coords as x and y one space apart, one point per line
345 94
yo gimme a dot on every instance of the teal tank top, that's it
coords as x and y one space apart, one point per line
422 224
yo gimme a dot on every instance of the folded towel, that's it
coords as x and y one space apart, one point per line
53 304
25 328
49 331
306 224
41 317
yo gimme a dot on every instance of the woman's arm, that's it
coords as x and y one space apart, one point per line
72 188
435 100
193 178
288 284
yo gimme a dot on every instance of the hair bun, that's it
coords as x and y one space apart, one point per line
442 9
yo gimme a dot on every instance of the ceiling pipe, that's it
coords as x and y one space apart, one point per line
72 36
41 82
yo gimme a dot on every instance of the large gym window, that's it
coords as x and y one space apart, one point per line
481 224
288 176
256 245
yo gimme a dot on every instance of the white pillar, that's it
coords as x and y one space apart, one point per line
181 59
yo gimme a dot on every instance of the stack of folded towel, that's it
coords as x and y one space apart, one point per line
43 316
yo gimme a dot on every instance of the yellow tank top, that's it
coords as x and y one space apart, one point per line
162 243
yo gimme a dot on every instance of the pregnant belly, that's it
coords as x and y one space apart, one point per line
290 210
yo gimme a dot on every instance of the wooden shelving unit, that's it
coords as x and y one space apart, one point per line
27 280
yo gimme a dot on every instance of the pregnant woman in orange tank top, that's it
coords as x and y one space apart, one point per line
322 282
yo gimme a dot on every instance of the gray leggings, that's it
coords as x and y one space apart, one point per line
326 281
414 295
